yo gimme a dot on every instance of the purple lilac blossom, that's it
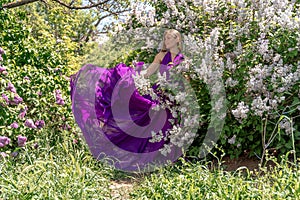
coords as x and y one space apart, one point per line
11 87
2 69
40 124
23 113
5 97
29 123
4 141
14 154
66 127
22 141
16 100
59 99
14 125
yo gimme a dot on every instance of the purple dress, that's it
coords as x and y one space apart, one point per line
118 122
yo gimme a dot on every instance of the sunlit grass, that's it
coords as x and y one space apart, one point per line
68 171
197 181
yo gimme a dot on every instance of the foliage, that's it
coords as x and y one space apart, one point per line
256 50
197 181
41 50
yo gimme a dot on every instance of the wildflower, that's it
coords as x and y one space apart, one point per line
11 87
29 123
22 141
4 141
14 125
40 124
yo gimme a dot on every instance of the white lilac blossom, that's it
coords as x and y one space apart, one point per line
230 82
232 140
270 78
165 150
241 111
286 125
259 106
180 134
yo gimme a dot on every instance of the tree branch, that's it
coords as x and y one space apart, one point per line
17 3
24 2
92 5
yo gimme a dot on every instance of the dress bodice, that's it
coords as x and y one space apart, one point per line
166 63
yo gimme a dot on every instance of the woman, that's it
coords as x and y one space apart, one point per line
116 120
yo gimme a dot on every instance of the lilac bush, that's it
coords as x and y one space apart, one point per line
252 46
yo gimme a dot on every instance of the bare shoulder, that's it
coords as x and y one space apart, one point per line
159 56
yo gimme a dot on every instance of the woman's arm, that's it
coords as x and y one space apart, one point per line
153 66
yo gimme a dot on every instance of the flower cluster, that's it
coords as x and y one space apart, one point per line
241 111
38 124
59 99
173 95
256 54
2 52
21 140
4 141
286 125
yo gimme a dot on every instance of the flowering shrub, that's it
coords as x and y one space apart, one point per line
253 46
34 86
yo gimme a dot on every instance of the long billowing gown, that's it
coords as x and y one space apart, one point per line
116 121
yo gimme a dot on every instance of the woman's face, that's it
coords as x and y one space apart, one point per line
170 40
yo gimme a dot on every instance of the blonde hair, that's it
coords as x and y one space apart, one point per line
174 33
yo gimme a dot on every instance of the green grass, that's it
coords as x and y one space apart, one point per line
68 171
197 181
